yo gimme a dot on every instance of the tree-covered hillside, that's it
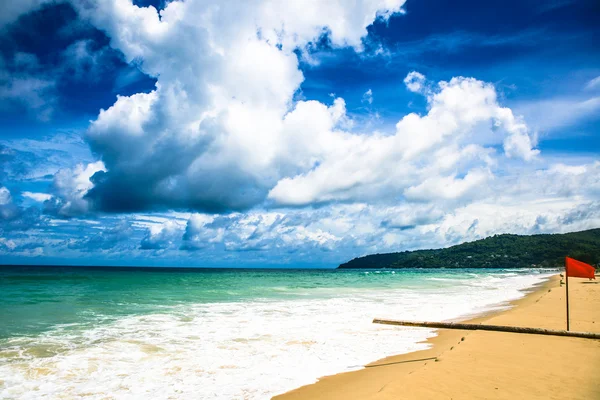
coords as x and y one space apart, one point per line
499 251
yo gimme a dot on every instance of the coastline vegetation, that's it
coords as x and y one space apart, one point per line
498 251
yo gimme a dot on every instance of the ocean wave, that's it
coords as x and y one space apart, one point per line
239 350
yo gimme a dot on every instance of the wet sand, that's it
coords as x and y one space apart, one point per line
490 365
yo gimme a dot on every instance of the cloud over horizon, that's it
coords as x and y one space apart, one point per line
227 152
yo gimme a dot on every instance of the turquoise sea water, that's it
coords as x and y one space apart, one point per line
217 334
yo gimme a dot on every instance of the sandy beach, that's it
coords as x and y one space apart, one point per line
490 365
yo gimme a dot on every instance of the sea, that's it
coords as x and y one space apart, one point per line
148 333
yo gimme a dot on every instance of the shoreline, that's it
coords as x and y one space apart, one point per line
427 371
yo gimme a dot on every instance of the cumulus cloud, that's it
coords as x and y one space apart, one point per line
561 200
14 217
257 231
9 212
415 82
214 135
448 187
160 237
39 197
70 187
483 219
224 133
423 149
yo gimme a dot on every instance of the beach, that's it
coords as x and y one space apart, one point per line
490 365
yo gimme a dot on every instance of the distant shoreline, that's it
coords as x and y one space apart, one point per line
498 251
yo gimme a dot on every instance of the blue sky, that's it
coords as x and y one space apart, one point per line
195 133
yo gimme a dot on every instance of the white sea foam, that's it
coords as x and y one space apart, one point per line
249 350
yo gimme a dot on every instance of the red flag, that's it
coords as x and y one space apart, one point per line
578 269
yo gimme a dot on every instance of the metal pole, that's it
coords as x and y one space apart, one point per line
567 289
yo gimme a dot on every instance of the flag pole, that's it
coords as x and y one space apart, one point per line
567 289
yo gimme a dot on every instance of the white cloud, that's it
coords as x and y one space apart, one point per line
552 114
70 187
448 187
217 132
415 82
423 148
9 212
560 198
7 244
257 231
5 197
35 94
368 97
161 237
34 159
593 83
228 146
83 62
224 131
39 197
482 219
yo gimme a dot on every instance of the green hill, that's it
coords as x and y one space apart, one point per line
499 251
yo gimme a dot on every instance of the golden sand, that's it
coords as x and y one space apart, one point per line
490 365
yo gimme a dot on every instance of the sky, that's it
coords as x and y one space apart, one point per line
294 133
